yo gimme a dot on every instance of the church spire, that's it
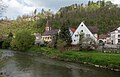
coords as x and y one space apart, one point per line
48 26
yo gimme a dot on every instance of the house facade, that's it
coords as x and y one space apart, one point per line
38 39
115 36
49 33
90 31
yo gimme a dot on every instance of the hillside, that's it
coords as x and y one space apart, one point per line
104 15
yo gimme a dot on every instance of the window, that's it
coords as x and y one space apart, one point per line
87 35
81 25
118 31
74 40
118 40
76 35
118 36
81 30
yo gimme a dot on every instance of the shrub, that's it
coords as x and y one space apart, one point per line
6 43
23 40
61 44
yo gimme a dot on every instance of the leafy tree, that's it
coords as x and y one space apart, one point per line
23 40
61 45
102 3
10 35
54 41
6 43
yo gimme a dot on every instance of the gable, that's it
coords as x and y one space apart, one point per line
83 28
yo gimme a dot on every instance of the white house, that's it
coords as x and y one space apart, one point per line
115 36
90 31
38 39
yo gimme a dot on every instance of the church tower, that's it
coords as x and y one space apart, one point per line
48 26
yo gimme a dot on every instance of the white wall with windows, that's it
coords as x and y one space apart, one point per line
115 36
82 29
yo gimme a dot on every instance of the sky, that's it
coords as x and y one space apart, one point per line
21 7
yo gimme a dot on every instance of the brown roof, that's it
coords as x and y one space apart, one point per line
93 29
51 32
102 36
116 27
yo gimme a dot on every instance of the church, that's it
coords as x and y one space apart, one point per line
49 33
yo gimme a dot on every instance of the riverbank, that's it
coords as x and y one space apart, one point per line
95 58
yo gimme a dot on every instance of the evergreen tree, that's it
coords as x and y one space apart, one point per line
65 35
89 3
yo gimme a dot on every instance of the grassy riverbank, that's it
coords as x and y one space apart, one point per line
108 60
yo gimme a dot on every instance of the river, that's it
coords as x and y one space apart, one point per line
28 65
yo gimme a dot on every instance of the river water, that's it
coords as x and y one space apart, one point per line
27 65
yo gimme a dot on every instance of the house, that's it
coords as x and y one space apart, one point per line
49 33
38 39
115 35
90 31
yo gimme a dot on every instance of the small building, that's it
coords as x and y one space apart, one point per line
115 35
38 39
89 31
49 33
104 38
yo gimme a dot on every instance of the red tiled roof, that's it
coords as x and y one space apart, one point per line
73 29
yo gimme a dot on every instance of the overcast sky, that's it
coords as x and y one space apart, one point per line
20 7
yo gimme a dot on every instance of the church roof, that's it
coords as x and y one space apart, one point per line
51 32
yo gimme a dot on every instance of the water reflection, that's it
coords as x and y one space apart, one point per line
25 65
23 61
44 70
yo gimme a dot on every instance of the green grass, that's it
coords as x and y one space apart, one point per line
45 50
110 60
105 59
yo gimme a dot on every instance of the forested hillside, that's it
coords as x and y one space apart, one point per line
104 15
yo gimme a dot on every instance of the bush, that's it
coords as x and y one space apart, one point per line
6 43
23 40
35 49
61 44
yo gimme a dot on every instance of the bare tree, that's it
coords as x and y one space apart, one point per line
3 8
